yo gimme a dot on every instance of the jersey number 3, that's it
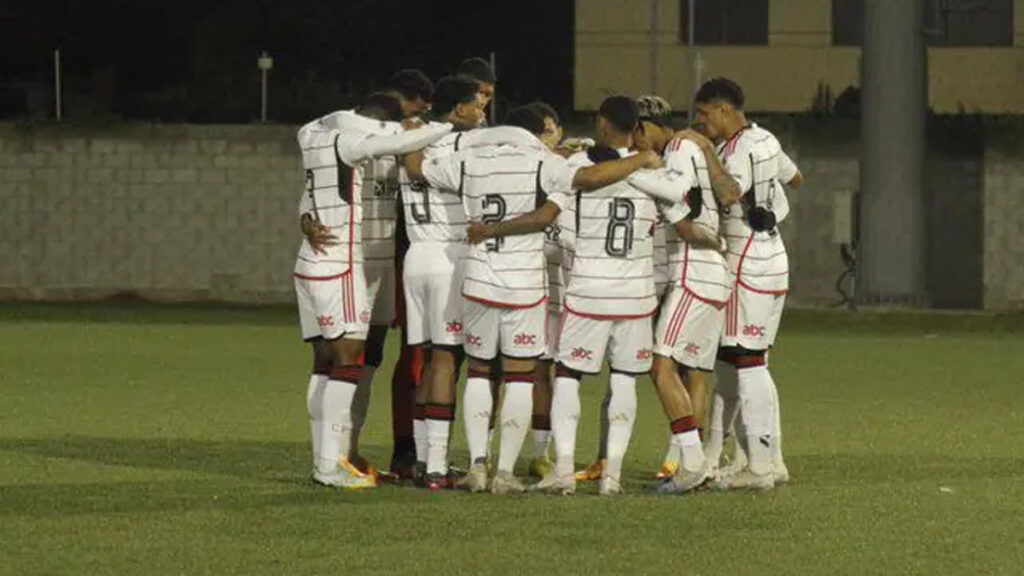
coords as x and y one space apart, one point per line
494 211
619 235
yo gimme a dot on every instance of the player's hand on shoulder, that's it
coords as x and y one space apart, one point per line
695 137
318 235
651 159
477 232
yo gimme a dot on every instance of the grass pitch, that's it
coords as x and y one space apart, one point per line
142 439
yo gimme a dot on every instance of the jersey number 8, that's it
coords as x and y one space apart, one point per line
619 236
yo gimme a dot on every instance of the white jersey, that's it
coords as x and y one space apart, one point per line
380 191
559 241
702 272
612 275
430 214
499 183
754 158
341 153
661 280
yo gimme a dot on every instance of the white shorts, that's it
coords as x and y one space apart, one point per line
432 281
333 307
380 293
583 341
689 329
553 325
752 319
518 331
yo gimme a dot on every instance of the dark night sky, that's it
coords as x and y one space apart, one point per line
195 60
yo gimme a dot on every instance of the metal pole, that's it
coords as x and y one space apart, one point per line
891 251
652 34
263 96
494 100
58 108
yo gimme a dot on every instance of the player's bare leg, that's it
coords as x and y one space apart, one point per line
440 412
334 467
372 357
682 422
315 391
540 432
514 420
477 407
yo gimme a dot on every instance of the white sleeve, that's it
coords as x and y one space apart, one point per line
675 212
740 166
664 183
444 173
556 176
499 135
780 204
787 169
358 147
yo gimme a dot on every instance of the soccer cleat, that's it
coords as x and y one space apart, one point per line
403 468
736 464
540 467
436 482
364 466
591 473
610 486
475 480
745 480
668 470
419 474
683 481
506 483
345 476
555 484
780 472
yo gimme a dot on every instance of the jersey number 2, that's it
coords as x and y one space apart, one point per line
494 211
619 235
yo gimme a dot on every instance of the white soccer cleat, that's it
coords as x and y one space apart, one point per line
745 480
555 484
736 464
475 479
610 486
506 483
683 481
344 476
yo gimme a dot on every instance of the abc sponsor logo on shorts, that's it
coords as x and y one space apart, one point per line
524 339
581 354
643 354
453 327
325 321
473 340
751 330
691 349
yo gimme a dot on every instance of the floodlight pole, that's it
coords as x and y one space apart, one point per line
57 105
265 63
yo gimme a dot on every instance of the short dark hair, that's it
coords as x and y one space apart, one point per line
720 89
381 106
621 112
452 91
478 69
527 118
546 111
411 84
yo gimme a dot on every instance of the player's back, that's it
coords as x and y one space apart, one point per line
758 258
432 215
612 273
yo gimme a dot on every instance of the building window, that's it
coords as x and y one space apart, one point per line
736 22
947 22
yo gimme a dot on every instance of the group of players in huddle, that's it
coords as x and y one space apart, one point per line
535 259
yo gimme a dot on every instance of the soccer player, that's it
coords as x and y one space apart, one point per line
758 260
504 288
413 89
480 70
342 153
433 271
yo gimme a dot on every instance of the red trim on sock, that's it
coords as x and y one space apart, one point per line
439 412
346 373
477 373
748 361
520 377
684 424
541 422
563 371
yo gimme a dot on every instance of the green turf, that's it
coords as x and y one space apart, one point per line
137 439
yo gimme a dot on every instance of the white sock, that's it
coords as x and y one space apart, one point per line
437 446
314 403
621 415
476 415
724 406
690 450
516 411
758 408
540 442
419 438
777 429
361 403
565 417
335 423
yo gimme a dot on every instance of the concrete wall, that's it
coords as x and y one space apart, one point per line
168 212
613 55
208 212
